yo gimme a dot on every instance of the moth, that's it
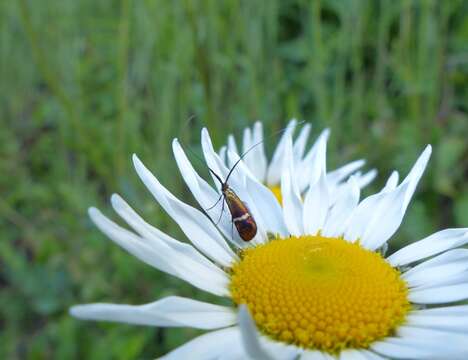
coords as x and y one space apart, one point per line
240 214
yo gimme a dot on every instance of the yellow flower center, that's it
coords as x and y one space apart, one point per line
320 293
276 190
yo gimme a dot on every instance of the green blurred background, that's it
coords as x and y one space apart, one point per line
83 84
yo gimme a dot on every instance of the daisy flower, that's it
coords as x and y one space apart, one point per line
270 173
314 283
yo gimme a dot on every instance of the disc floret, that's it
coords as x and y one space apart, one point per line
320 293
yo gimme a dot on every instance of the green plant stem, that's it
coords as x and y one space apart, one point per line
122 65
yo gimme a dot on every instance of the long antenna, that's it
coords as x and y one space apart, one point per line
216 176
198 157
253 146
203 162
241 156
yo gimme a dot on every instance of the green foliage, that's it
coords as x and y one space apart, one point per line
86 83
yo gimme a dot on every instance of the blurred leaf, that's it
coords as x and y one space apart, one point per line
461 209
81 91
448 154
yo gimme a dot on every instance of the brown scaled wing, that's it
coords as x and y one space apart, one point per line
241 217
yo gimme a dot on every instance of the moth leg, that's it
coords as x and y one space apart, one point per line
216 203
232 229
221 214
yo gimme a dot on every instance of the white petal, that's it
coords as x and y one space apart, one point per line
213 161
195 225
260 163
248 151
232 144
171 311
443 345
458 278
206 196
367 178
154 237
165 258
316 205
392 181
276 166
314 162
208 346
341 190
395 348
432 245
386 219
249 197
301 142
316 355
457 310
439 294
250 336
268 205
317 199
233 176
452 346
131 217
236 179
371 223
261 347
417 333
361 216
415 174
354 354
340 213
438 269
233 354
254 152
429 348
340 174
240 170
445 318
292 203
221 153
246 140
279 350
378 216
